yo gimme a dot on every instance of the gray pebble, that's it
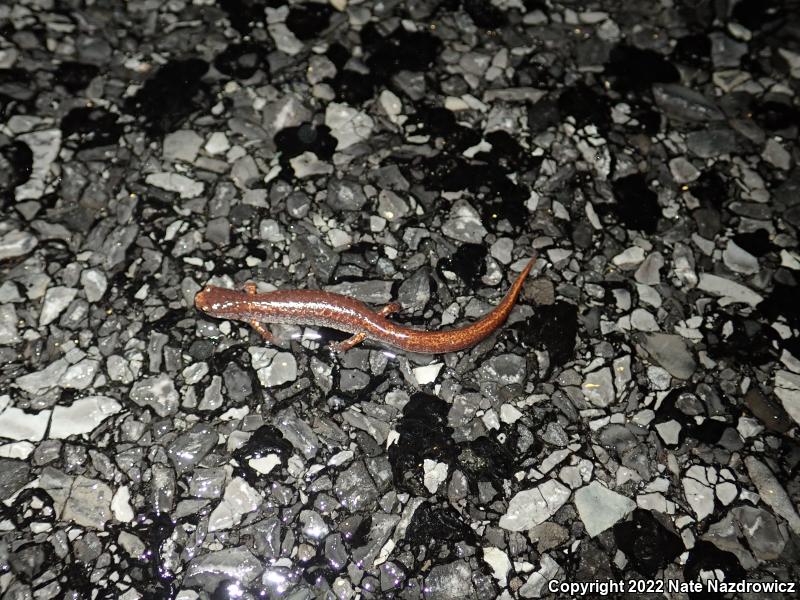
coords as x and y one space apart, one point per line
182 145
158 393
212 395
8 325
56 299
671 352
208 571
188 449
94 284
710 143
345 194
17 243
685 104
89 503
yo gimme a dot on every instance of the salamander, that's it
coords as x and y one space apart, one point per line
327 309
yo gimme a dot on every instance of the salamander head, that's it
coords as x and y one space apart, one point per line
219 302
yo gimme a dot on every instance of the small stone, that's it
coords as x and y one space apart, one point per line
89 503
428 373
698 492
217 143
345 194
435 473
772 492
509 413
94 284
314 525
308 164
530 507
239 499
158 393
236 564
739 260
669 431
622 372
726 492
725 51
629 258
787 388
56 300
39 382
775 154
377 428
711 143
449 581
14 475
501 250
245 173
298 433
499 562
760 529
17 424
683 171
505 369
391 206
284 39
348 125
121 505
175 182
355 489
16 243
390 103
649 272
119 369
464 223
670 352
80 375
600 507
598 387
212 395
188 449
9 293
132 545
8 325
270 230
685 104
536 585
45 144
768 411
266 464
182 145
272 367
730 291
643 320
683 265
82 416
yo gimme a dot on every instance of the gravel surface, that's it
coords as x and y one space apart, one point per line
635 420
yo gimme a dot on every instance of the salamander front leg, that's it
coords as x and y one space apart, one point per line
250 289
344 345
261 330
390 309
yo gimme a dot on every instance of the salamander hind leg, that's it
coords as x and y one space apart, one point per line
262 330
345 345
390 309
249 288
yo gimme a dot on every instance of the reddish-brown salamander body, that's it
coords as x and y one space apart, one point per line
326 309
